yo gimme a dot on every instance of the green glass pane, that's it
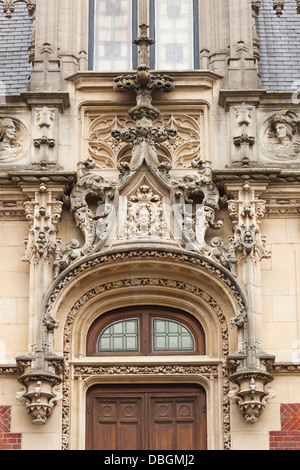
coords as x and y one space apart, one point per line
171 336
119 336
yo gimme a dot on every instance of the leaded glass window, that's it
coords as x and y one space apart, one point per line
145 331
174 34
171 336
120 336
174 24
113 35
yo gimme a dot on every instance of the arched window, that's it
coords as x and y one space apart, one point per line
145 331
174 24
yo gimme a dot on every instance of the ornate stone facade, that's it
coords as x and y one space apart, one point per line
175 189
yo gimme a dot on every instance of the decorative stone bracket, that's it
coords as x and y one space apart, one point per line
39 394
251 392
40 385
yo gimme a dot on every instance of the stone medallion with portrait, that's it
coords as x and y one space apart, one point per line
12 139
281 136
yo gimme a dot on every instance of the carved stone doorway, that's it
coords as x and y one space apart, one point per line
146 417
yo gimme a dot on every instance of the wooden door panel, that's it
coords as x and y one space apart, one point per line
173 423
141 418
117 423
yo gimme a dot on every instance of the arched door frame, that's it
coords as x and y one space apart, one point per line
170 279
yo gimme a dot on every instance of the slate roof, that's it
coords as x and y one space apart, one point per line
279 40
15 35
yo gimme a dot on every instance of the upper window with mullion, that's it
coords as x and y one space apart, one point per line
113 26
175 26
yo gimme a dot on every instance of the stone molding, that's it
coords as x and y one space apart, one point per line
95 371
91 262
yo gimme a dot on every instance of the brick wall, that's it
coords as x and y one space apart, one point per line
289 436
8 440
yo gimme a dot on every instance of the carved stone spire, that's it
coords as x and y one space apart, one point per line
144 137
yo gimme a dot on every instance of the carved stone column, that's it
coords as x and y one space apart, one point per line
249 366
40 377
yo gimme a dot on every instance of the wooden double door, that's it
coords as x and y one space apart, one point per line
146 418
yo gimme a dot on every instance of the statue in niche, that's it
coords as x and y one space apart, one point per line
8 135
284 135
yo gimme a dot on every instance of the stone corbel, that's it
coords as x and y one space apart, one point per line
39 393
251 392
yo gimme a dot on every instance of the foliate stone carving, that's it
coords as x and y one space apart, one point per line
195 218
44 140
43 214
281 136
256 6
246 214
13 139
176 138
12 209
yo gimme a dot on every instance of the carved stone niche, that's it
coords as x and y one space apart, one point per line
280 138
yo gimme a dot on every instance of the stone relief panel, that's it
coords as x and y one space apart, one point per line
280 138
243 124
145 214
45 130
14 140
179 151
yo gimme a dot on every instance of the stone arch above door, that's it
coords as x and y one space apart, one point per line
170 279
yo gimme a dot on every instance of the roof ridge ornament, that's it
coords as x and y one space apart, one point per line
278 6
144 137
